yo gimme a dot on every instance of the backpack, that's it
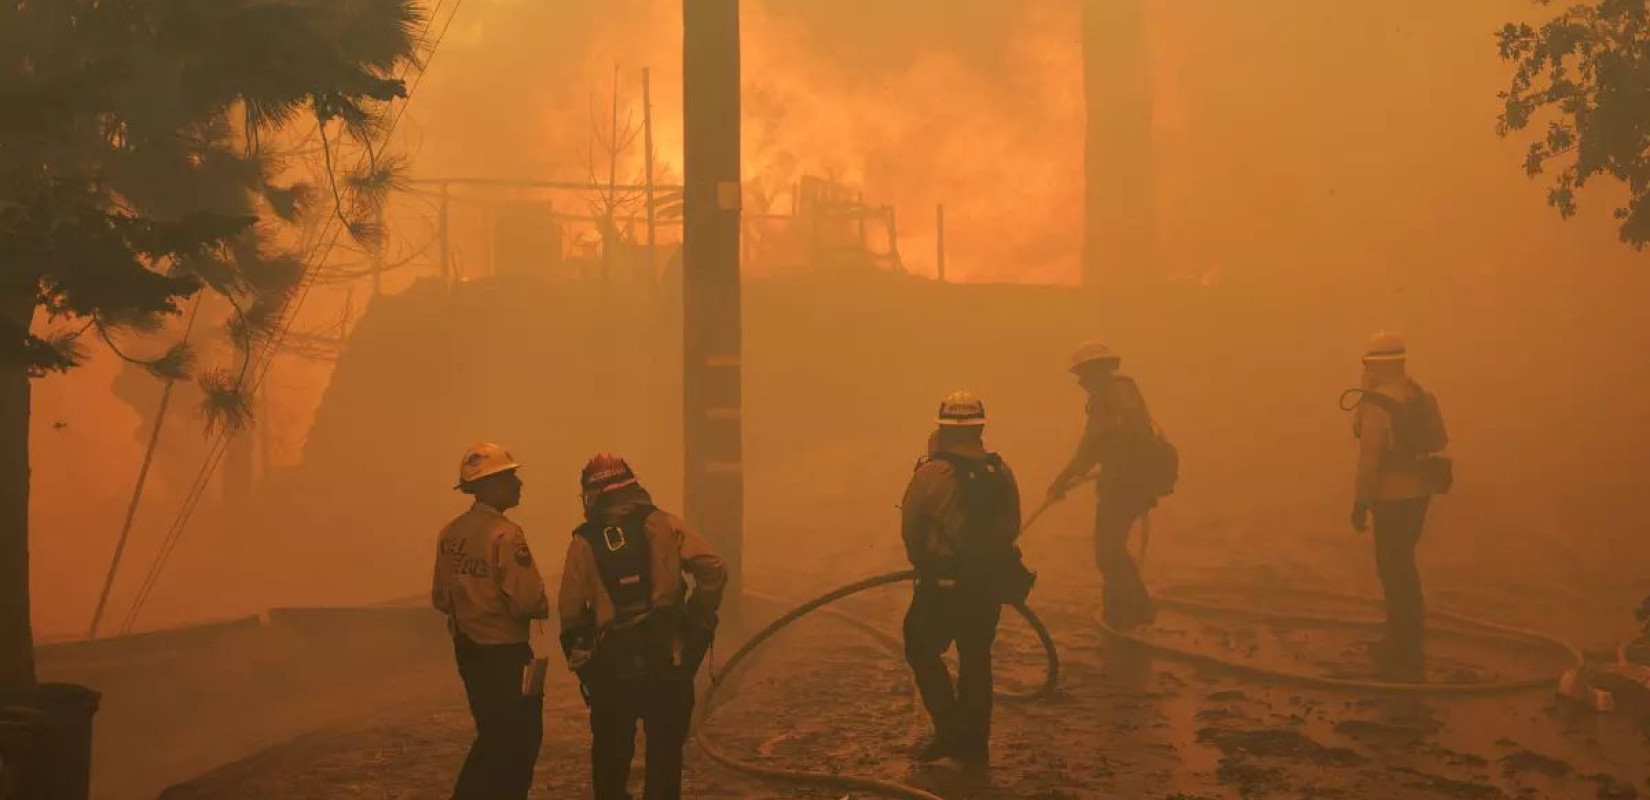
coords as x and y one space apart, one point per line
635 644
1159 465
985 551
1139 452
1417 424
1418 433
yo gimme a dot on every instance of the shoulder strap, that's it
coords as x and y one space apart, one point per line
1381 401
621 552
979 485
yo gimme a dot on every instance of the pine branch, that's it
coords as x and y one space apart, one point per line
227 402
175 365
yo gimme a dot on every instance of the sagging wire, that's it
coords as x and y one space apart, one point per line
265 360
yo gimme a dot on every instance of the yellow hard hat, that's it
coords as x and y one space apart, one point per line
482 460
961 408
1385 346
1090 352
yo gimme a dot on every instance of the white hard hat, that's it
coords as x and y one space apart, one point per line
961 408
1385 346
482 460
1089 352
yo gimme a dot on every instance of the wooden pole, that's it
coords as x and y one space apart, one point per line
939 240
131 510
711 386
647 143
893 235
610 201
446 234
1119 227
142 480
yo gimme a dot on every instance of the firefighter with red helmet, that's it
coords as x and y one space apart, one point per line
638 606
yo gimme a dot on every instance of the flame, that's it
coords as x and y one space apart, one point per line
981 111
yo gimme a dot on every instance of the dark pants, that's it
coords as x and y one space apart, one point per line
1398 526
1127 605
509 727
937 617
663 704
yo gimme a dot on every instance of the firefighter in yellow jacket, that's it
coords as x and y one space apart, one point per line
489 588
631 628
959 521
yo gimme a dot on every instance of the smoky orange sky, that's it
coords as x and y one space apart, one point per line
1300 146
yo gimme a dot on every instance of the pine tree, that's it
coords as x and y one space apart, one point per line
134 176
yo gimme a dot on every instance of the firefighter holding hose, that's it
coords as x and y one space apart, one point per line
960 519
631 628
1138 467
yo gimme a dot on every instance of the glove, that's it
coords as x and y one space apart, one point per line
1360 517
1057 490
700 618
576 641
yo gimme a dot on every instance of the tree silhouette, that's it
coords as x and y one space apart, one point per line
1585 74
134 175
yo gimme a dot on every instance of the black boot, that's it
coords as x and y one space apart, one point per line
938 747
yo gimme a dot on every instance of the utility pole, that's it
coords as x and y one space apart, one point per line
446 234
647 145
711 388
1119 220
939 241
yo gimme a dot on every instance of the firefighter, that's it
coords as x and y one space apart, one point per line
1399 430
489 588
1137 467
631 628
959 519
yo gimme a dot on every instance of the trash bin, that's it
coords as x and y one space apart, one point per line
61 763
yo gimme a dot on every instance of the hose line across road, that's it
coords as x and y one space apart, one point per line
882 787
1191 600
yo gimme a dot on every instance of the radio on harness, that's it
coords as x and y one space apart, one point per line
636 643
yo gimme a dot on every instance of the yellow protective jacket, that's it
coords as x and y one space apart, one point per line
485 579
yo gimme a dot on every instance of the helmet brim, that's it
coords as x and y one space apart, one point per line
960 423
495 470
1385 358
1111 361
610 488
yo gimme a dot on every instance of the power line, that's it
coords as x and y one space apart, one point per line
260 365
142 480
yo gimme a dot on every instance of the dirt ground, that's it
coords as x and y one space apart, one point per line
1124 724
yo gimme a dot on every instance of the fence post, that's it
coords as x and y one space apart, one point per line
939 240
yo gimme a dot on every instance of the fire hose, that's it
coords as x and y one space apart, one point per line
720 678
887 788
1185 599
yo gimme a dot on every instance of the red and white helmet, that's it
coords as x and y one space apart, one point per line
606 473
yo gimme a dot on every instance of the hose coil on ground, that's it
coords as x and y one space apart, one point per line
708 703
